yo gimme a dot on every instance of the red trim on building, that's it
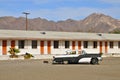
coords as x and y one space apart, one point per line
79 45
13 44
4 47
49 47
100 47
106 47
73 45
42 47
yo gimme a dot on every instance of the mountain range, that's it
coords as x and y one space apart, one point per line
95 22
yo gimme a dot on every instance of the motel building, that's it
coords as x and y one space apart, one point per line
53 42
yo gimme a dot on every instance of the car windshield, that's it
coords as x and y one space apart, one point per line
69 52
83 52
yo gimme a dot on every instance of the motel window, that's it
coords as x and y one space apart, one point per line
85 43
119 44
21 44
67 44
94 44
56 44
34 44
111 44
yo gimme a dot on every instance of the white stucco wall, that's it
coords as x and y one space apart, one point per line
28 48
90 48
61 49
115 48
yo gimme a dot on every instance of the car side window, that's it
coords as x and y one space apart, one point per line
83 52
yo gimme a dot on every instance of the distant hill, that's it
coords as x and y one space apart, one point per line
93 23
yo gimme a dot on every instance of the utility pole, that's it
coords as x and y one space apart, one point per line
26 13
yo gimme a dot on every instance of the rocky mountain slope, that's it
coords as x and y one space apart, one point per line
93 23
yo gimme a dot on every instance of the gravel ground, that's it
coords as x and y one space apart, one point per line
108 69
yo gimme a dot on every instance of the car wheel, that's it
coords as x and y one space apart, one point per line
94 61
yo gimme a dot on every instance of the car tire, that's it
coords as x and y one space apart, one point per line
94 61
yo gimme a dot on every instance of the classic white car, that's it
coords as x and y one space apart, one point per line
81 57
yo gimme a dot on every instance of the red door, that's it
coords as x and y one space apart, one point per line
79 45
73 45
100 47
13 44
106 47
4 47
42 47
49 47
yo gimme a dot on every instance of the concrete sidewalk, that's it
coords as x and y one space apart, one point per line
6 57
111 55
37 56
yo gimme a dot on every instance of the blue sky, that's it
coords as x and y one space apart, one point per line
59 9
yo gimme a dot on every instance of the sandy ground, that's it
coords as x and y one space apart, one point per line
108 69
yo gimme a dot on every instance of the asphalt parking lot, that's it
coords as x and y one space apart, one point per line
108 69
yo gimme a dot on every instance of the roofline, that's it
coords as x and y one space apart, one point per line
56 35
9 38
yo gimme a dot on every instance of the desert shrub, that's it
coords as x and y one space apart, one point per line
28 56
